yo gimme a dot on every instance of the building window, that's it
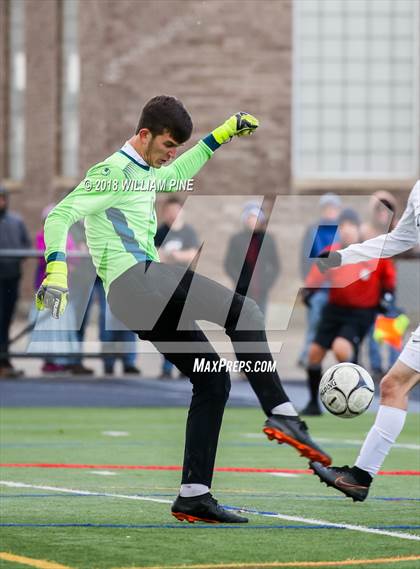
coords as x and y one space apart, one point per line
17 86
356 89
70 87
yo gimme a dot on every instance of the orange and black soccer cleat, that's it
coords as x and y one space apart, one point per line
293 431
203 508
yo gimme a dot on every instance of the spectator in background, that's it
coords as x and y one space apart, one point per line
13 235
317 237
382 219
47 330
251 259
355 294
111 330
178 244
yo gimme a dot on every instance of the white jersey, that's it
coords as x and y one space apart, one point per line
405 236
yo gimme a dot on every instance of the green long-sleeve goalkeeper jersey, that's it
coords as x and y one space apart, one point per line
117 200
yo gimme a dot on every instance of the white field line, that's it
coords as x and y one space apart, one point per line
352 527
115 433
103 472
84 492
311 521
284 474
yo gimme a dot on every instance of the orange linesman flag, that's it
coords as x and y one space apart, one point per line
391 330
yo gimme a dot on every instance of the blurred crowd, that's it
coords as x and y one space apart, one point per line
339 315
353 303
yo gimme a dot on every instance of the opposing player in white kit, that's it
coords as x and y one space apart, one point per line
401 378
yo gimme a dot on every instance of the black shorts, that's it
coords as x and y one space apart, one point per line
349 323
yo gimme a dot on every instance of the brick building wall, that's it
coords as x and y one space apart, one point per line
218 56
42 110
214 56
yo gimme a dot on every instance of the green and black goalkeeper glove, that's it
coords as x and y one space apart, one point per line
53 292
241 124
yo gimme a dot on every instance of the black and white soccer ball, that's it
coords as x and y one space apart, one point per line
346 390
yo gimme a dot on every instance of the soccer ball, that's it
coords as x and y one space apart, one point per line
346 390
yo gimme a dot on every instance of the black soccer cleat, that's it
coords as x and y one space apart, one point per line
353 482
293 431
203 508
312 409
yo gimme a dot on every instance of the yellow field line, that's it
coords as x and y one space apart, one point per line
39 563
274 564
43 564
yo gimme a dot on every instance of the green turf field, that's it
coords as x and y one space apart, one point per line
88 530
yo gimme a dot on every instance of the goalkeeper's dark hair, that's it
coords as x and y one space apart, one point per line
164 113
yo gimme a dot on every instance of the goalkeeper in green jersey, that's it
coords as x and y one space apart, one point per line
150 297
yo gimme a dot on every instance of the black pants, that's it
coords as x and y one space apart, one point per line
154 300
8 297
345 322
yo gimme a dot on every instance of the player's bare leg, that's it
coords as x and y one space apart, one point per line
397 384
343 350
355 482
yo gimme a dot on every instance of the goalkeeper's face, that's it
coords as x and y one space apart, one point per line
160 149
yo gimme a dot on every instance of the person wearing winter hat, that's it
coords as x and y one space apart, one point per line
251 260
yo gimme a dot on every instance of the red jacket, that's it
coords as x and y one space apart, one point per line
357 286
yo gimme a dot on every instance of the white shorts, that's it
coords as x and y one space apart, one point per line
410 356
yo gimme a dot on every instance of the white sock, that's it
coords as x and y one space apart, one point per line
284 409
190 490
388 425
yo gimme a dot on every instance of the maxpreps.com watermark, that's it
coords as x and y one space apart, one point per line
203 365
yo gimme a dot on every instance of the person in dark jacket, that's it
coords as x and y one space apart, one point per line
13 235
251 259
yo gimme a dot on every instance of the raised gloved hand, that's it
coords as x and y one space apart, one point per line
53 292
241 124
328 260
